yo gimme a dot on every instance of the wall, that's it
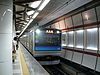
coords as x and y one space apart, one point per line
80 37
6 37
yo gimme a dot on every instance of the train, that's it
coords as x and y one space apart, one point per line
44 44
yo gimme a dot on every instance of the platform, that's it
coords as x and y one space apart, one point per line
26 64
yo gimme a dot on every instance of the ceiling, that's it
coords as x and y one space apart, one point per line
21 7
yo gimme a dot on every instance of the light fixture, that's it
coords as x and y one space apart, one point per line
30 12
58 32
22 27
24 35
9 10
25 23
79 31
30 21
70 45
45 2
86 16
21 37
64 33
79 46
35 4
71 32
38 31
31 30
27 18
34 16
92 29
64 45
92 48
17 31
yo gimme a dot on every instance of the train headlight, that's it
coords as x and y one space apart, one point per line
38 31
58 32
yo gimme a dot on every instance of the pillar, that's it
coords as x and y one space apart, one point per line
6 37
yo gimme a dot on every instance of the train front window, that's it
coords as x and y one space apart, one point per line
48 39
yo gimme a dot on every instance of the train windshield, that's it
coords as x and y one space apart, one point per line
48 40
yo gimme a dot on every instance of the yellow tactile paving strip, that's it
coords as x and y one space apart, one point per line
24 66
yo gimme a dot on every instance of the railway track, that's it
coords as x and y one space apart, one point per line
55 70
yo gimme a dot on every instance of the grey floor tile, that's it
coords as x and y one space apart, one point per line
16 73
16 67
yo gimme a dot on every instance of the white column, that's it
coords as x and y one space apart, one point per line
6 37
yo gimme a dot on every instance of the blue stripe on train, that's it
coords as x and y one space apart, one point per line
47 48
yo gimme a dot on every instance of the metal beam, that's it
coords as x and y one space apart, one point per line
18 17
20 23
22 11
25 1
22 20
17 12
26 6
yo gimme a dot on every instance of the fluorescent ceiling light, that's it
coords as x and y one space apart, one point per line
45 2
35 4
27 20
30 12
24 35
21 37
31 30
25 23
35 15
18 31
30 21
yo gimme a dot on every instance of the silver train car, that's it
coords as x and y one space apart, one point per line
44 45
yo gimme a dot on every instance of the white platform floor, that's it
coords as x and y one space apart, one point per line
16 65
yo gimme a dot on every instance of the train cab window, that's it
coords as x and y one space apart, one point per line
48 40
